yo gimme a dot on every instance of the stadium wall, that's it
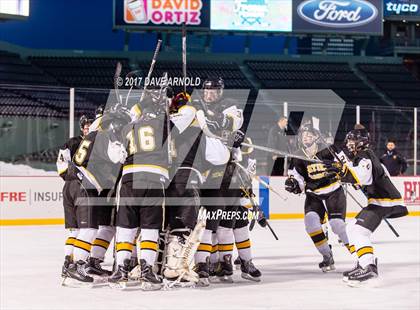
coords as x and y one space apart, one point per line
37 200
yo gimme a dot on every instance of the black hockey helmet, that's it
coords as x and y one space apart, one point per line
115 120
357 139
307 135
214 87
214 83
83 121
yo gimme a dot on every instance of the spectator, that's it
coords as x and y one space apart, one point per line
277 140
392 160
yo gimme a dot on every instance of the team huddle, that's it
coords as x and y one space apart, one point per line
153 177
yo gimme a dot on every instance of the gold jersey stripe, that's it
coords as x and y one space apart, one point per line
319 243
148 245
243 245
225 247
124 246
82 245
70 241
101 243
351 248
316 233
204 247
364 250
215 248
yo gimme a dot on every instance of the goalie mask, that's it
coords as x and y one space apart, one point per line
213 90
357 140
307 139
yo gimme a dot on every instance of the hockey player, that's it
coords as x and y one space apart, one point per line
141 205
384 201
224 119
97 163
240 230
186 181
70 190
324 194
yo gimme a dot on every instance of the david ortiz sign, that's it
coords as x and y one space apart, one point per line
338 16
167 14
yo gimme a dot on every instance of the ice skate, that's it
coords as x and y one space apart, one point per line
67 262
349 272
77 276
249 271
237 263
94 268
202 269
149 280
327 264
213 269
226 269
119 278
363 276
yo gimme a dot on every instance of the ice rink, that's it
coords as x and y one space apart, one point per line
31 260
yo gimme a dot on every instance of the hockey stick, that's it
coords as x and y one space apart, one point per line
152 66
360 205
184 55
117 77
256 207
334 154
208 133
168 121
265 184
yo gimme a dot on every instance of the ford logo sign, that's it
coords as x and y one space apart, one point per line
337 13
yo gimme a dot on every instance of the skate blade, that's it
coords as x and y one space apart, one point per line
203 282
328 269
371 283
70 282
147 286
345 279
124 285
174 284
226 279
249 277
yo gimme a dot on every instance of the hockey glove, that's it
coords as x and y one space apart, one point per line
292 186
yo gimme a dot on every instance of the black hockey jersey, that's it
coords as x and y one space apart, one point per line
72 146
92 159
366 170
147 148
310 175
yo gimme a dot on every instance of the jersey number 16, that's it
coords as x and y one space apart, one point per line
146 140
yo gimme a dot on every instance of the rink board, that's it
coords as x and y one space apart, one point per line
37 200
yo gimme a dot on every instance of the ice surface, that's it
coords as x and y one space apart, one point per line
31 259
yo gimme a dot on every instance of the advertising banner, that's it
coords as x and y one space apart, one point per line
150 14
38 199
251 15
401 9
338 16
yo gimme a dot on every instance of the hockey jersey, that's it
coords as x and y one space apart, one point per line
311 176
98 159
148 153
366 170
66 152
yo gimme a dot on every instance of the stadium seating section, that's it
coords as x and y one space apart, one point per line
39 86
